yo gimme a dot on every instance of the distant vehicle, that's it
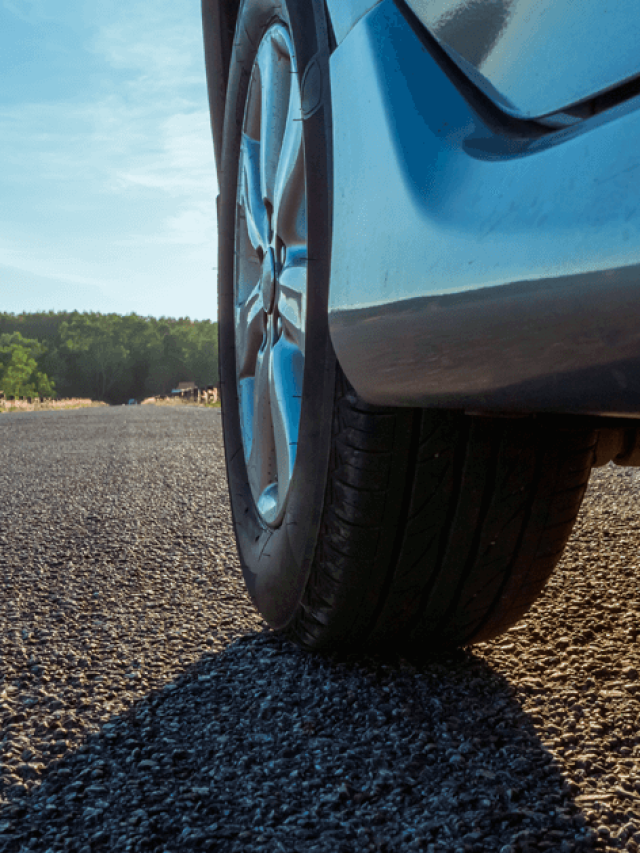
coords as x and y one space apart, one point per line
429 300
132 402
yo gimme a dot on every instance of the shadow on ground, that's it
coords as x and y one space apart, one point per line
265 748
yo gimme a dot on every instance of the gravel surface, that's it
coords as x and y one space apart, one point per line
144 705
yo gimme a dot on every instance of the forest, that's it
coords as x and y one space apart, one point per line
107 357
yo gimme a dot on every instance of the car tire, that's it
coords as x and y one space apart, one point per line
383 527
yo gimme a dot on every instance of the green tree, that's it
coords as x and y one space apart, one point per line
20 374
96 352
112 357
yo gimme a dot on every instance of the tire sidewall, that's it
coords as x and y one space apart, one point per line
276 561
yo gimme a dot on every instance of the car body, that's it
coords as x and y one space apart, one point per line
486 228
428 295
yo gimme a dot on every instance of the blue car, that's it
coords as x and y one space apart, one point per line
429 301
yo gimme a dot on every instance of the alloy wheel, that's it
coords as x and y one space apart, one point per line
270 278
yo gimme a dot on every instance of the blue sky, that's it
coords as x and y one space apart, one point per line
107 174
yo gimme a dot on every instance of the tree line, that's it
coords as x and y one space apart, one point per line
107 357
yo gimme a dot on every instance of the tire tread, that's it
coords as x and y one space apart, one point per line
488 506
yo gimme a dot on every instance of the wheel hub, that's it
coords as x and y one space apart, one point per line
268 281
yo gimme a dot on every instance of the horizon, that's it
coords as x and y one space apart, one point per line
20 314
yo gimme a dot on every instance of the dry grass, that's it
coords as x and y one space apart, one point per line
154 401
52 405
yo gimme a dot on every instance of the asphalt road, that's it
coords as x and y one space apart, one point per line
145 706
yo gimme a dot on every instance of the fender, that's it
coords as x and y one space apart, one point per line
344 14
538 59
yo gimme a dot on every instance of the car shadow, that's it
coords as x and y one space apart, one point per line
264 747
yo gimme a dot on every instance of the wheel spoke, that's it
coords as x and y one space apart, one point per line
289 220
292 294
285 379
249 335
261 462
254 207
275 78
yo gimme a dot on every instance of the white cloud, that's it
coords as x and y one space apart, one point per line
179 162
58 262
159 44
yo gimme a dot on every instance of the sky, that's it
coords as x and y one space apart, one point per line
107 171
